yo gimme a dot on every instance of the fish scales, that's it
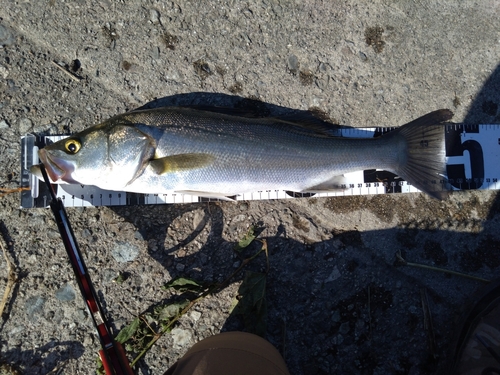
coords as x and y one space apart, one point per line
253 154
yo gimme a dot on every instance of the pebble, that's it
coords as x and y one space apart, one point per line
58 316
25 125
204 258
199 220
154 16
45 129
65 293
293 63
336 316
4 125
53 234
6 36
238 218
182 337
86 233
109 275
180 267
16 329
124 252
334 275
81 314
4 72
344 328
195 315
34 305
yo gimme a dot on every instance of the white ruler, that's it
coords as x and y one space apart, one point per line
472 159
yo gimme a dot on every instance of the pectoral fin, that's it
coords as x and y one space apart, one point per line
181 162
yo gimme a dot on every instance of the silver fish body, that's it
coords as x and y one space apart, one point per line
174 149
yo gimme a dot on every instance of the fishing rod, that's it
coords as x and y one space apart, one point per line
112 354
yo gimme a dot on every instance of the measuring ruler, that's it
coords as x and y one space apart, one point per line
472 162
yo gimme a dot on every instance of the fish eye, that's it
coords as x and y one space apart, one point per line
72 146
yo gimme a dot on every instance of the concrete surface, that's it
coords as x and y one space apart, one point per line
337 302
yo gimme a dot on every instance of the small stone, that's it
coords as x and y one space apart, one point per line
109 275
195 315
154 16
17 329
124 252
25 125
338 340
199 220
182 337
4 125
360 324
6 36
204 258
238 218
336 316
86 233
334 275
81 314
53 234
58 316
180 267
34 305
45 129
344 328
65 293
293 64
4 72
138 236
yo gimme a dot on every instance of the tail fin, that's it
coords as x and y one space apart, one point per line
424 165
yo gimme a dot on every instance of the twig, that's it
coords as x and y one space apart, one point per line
11 280
284 338
264 248
4 191
428 326
166 329
369 311
74 77
57 370
432 268
212 290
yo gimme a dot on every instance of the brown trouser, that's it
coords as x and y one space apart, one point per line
231 353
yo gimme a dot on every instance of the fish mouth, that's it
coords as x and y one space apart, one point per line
53 170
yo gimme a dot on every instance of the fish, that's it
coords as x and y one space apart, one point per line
219 154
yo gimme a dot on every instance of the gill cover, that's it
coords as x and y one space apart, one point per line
129 151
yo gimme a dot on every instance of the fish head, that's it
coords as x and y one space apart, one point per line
109 155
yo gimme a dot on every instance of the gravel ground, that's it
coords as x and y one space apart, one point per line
337 302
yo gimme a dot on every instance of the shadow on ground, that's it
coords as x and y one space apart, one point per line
343 304
340 305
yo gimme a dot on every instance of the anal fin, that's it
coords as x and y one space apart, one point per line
333 184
